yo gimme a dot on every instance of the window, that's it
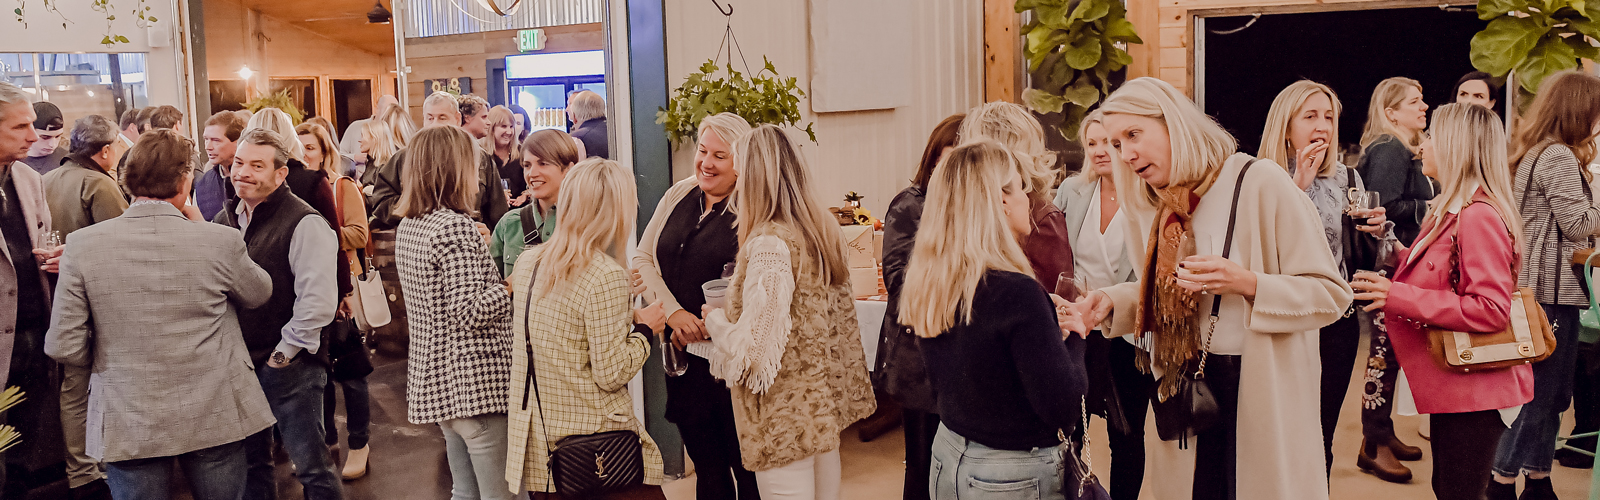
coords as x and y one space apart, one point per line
80 84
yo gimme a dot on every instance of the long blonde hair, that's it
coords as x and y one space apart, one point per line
1087 173
964 201
1014 127
276 120
1469 146
598 205
330 149
775 188
400 124
381 142
441 173
1199 145
1275 137
1388 95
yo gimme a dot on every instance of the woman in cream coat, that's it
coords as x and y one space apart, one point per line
1279 286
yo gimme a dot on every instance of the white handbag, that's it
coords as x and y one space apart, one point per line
370 303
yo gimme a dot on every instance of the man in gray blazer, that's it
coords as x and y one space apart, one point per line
147 302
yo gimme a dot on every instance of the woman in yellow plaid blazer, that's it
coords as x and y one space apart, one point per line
572 314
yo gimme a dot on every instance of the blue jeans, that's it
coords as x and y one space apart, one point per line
357 409
476 450
1530 443
215 473
295 394
965 469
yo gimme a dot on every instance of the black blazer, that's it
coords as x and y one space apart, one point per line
1393 170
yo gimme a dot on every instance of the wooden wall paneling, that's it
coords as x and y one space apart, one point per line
1002 49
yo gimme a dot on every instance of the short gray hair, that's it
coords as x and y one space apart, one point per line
91 134
443 99
264 137
10 94
586 105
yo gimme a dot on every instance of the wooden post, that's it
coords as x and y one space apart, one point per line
1002 50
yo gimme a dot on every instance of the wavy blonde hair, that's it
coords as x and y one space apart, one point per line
1275 137
965 202
1199 145
1013 126
441 173
731 128
276 120
775 188
598 204
1469 147
400 124
1388 95
381 142
1087 173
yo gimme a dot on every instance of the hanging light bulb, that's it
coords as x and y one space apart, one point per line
245 72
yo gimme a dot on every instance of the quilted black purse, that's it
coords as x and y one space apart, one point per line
1193 408
584 465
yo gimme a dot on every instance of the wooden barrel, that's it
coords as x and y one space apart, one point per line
394 338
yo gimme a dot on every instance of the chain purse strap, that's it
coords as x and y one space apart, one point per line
1227 248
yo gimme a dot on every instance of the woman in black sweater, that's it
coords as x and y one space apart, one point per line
1396 119
1007 386
898 371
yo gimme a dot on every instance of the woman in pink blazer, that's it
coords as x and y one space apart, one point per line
1467 156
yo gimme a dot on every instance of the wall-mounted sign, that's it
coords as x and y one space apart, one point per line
458 86
589 62
530 40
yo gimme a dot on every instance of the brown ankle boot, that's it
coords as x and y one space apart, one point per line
1404 452
1379 461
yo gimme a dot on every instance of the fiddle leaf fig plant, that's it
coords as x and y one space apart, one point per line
1535 38
765 97
1073 47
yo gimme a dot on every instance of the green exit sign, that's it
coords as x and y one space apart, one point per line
530 40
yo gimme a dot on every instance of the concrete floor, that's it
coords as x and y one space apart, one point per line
408 460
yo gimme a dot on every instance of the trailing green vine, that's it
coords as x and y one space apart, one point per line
104 7
1072 48
765 97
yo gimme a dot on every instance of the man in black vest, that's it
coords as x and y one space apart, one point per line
289 239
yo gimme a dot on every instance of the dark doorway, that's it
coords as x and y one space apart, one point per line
227 95
352 100
302 92
1350 51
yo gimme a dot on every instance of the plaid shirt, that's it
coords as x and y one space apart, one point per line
1558 217
460 319
585 352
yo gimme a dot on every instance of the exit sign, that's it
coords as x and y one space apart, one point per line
530 40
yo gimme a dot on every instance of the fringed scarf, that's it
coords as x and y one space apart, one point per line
1165 309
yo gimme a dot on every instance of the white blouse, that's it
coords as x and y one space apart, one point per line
749 353
1100 253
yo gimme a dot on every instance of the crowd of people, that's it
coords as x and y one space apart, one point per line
183 305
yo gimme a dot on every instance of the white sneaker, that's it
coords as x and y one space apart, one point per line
355 463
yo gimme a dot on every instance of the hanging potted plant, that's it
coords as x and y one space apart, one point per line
763 97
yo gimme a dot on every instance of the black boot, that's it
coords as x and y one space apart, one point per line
1500 491
1538 489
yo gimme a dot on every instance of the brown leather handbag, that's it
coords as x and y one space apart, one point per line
1528 338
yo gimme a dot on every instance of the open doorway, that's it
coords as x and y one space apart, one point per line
1245 64
352 100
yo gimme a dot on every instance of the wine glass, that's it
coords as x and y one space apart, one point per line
1069 287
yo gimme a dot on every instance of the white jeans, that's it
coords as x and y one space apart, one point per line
812 478
476 450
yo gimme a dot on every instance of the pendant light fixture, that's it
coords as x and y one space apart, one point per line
378 14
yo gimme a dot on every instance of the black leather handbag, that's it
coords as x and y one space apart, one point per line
1193 408
585 465
1078 481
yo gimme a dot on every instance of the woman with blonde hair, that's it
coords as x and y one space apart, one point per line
502 143
576 339
1554 144
1235 277
1444 281
276 120
1096 224
546 156
1396 123
459 365
1301 133
322 153
686 244
788 344
1008 386
1048 247
378 144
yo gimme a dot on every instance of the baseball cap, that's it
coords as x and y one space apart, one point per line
49 117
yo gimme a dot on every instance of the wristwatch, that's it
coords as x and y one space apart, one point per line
278 357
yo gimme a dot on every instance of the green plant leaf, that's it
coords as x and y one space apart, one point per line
1082 53
1082 93
1505 43
1490 9
122 39
1122 30
1549 57
1581 47
106 40
1042 102
1090 10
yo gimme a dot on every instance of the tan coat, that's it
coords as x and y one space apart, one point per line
821 386
1298 291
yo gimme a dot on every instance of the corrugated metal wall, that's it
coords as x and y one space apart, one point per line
425 18
873 153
